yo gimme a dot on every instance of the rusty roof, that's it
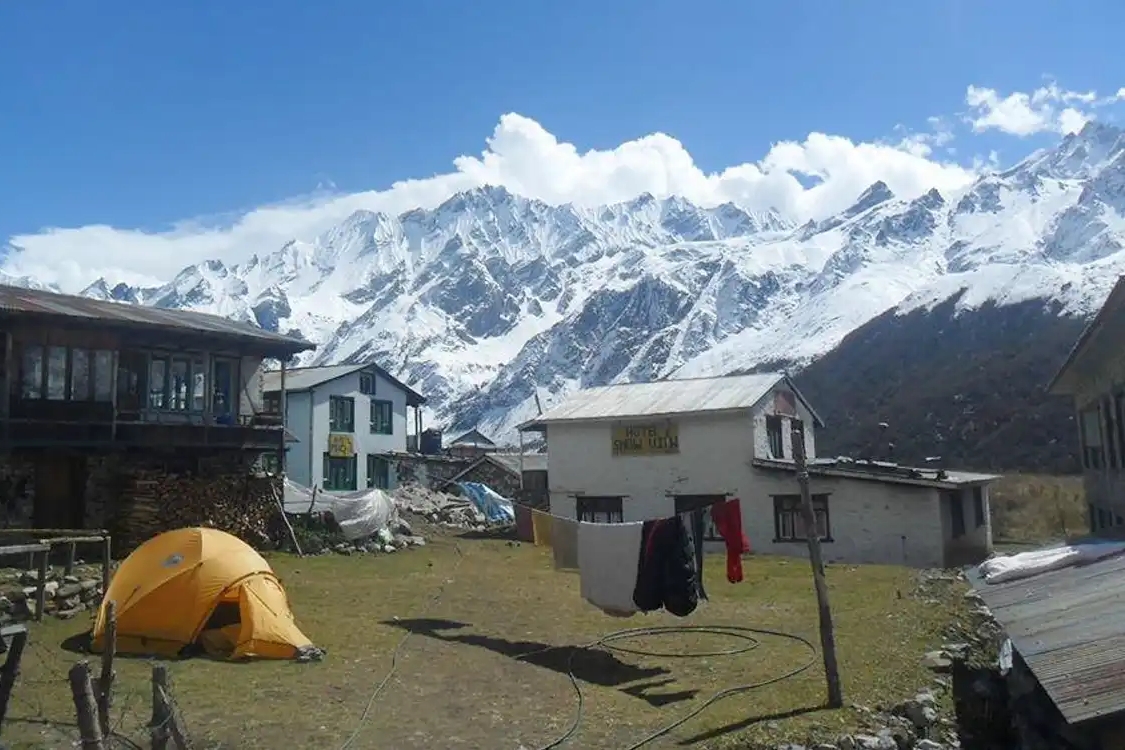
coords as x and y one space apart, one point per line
18 301
1068 625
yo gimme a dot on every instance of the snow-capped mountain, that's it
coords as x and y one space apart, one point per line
492 298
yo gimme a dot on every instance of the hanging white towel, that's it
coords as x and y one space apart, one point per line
608 558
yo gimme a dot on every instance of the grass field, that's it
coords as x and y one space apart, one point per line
459 685
1031 508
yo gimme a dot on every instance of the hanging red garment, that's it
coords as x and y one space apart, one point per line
727 516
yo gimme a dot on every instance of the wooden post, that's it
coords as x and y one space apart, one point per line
41 587
827 636
105 682
284 405
11 670
71 549
279 496
160 730
83 693
107 563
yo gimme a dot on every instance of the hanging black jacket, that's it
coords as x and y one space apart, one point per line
666 575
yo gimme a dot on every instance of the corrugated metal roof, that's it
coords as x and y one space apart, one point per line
20 301
664 397
1069 627
878 471
304 378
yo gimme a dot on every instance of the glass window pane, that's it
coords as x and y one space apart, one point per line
199 384
79 375
178 384
157 371
32 372
103 375
56 373
222 397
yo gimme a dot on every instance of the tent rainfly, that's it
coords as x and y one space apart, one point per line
201 588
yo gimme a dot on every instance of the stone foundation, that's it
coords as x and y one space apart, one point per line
66 596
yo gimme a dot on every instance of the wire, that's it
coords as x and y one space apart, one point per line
737 631
394 655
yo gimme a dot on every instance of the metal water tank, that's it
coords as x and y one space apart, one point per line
431 442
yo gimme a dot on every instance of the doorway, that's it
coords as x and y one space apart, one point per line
60 492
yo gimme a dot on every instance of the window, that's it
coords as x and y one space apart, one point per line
198 384
103 375
382 421
787 523
56 373
157 383
179 383
341 414
80 375
1091 435
223 391
271 402
1092 516
366 383
703 503
773 432
600 509
1103 518
378 472
978 506
339 473
1108 429
31 372
131 388
956 513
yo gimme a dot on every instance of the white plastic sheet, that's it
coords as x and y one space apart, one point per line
1026 564
360 514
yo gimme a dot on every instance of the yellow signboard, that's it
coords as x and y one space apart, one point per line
646 440
341 446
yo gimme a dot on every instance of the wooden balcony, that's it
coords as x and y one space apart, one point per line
89 425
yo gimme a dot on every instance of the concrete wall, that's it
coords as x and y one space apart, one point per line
299 457
975 544
870 522
365 441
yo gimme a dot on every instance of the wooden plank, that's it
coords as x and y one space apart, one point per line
11 669
23 549
83 693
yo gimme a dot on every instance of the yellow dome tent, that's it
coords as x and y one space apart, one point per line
200 586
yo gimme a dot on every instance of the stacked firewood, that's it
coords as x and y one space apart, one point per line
154 501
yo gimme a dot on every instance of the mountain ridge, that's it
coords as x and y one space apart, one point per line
492 298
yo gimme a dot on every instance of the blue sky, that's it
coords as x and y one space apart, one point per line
138 116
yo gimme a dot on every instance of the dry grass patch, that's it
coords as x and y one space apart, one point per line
459 685
1033 508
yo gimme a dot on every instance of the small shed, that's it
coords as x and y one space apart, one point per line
472 443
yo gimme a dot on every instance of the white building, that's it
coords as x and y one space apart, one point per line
648 450
351 421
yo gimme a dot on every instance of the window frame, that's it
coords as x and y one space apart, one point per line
367 384
1089 425
782 513
688 503
351 465
775 430
390 415
599 508
271 402
373 461
335 423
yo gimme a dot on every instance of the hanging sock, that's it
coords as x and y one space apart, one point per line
607 563
727 516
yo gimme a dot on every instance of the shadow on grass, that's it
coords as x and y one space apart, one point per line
594 666
497 532
744 724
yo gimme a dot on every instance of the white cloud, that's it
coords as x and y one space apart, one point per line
1048 109
522 156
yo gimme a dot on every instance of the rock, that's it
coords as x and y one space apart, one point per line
70 579
389 548
90 583
880 742
404 528
927 745
68 590
825 746
957 651
846 742
937 661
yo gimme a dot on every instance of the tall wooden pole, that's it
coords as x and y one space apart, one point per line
827 635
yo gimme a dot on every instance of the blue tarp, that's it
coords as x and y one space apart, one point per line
496 509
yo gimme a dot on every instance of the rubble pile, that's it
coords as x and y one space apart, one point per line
439 508
66 596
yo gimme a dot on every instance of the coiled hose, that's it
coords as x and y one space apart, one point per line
607 642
